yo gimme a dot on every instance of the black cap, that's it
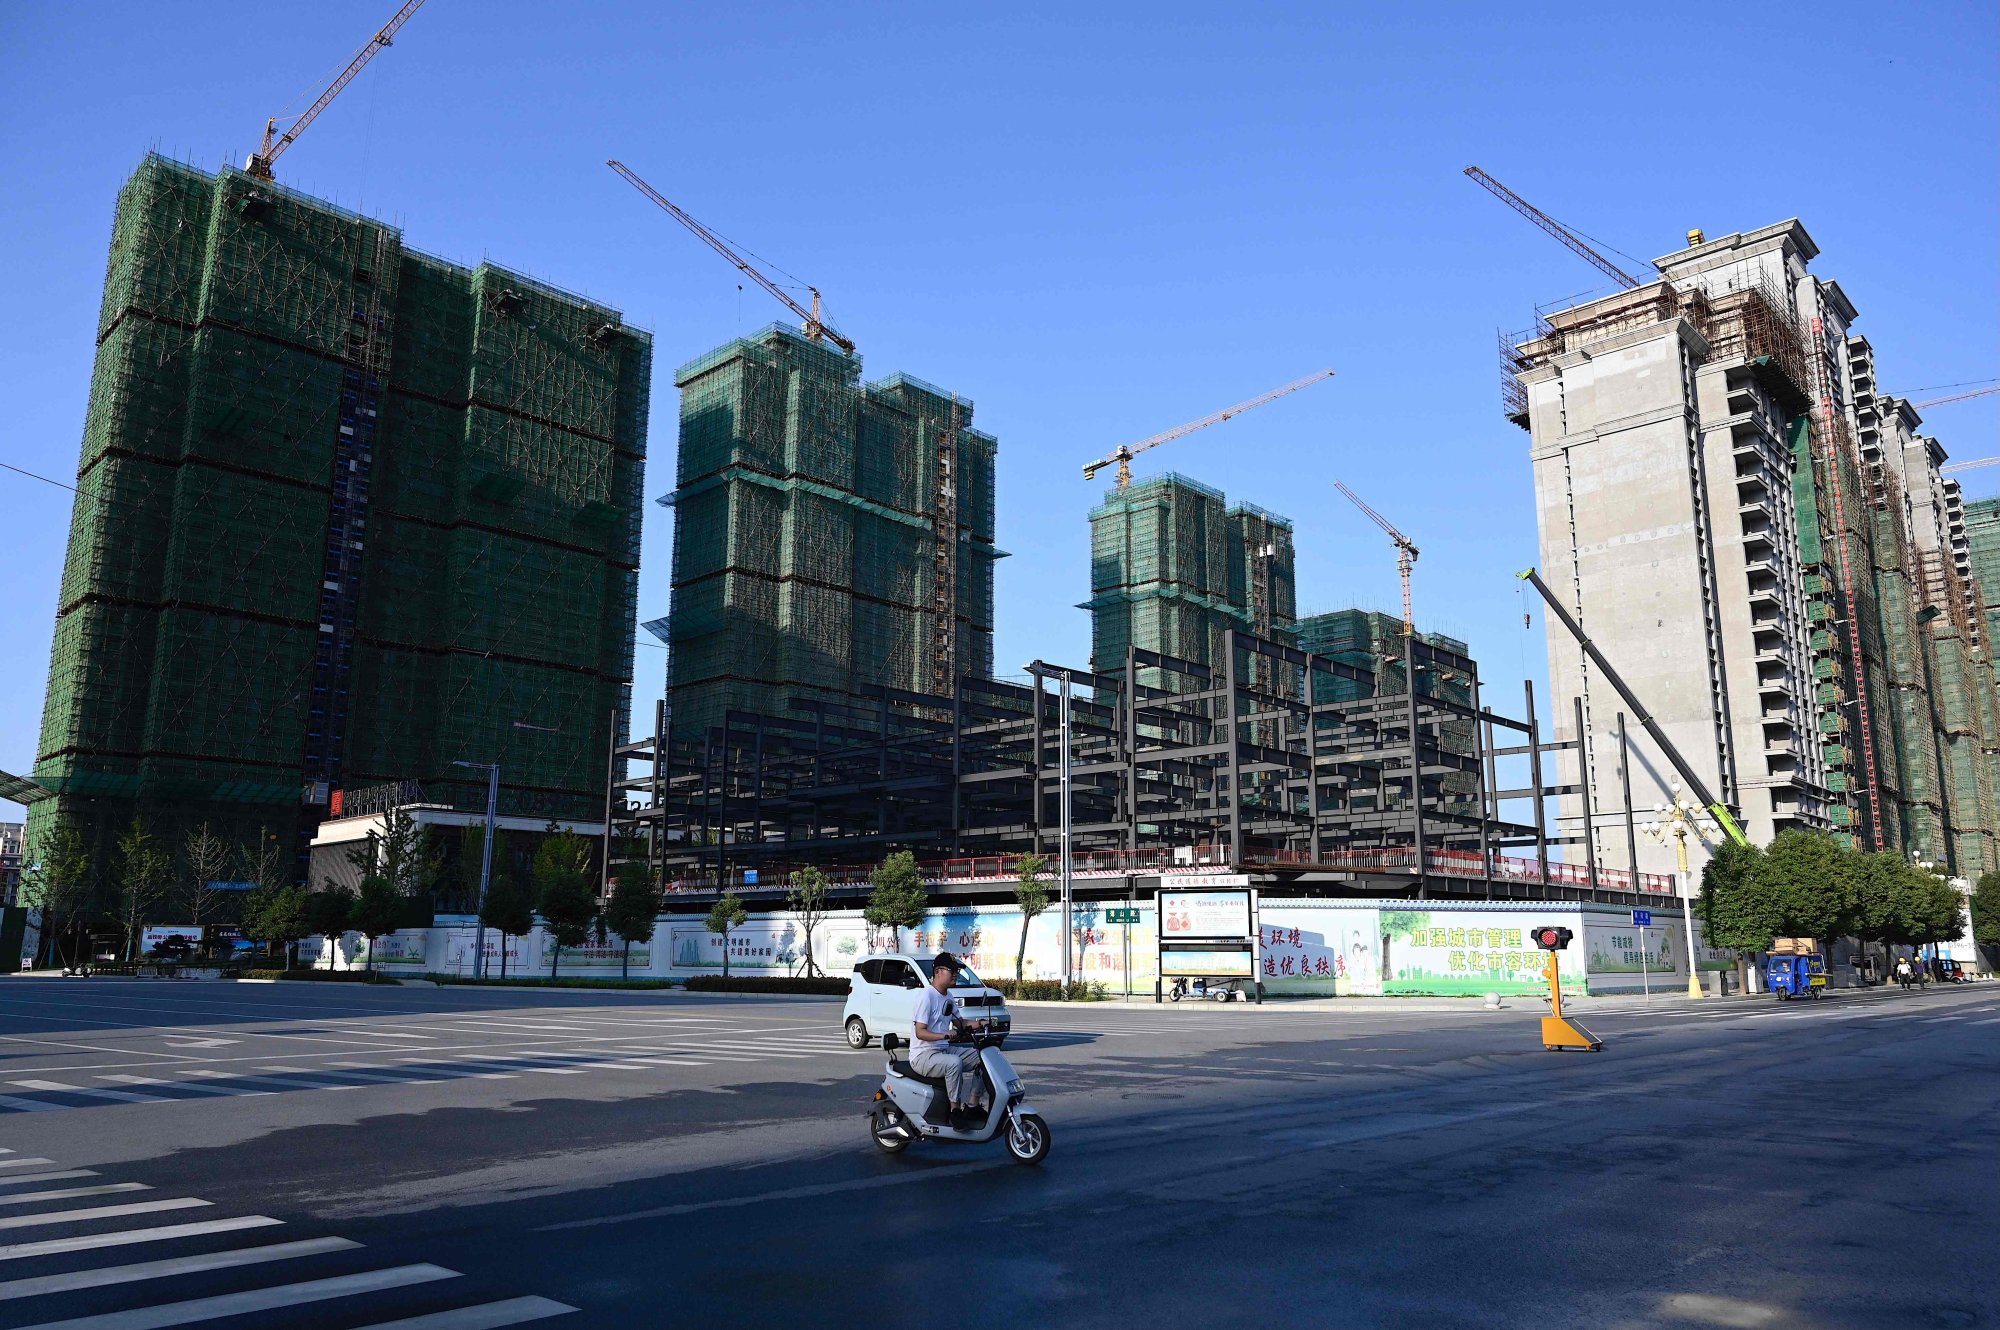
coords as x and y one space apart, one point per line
945 961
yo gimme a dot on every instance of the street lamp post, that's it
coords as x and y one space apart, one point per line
1677 820
492 770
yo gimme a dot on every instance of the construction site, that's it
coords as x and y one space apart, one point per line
1772 549
351 518
346 515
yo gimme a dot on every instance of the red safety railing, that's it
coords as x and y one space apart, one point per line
1208 858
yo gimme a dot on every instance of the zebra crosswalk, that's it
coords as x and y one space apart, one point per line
366 1068
194 1272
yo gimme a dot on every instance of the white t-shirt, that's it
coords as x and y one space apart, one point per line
932 1009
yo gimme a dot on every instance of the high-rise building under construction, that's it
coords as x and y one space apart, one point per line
1173 566
1763 545
830 536
346 515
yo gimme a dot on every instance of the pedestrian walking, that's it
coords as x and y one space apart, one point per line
1903 972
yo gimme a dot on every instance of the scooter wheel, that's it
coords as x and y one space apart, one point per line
1173 995
887 1141
1028 1138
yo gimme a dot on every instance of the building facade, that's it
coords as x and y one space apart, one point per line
13 855
346 514
1764 547
1173 566
830 536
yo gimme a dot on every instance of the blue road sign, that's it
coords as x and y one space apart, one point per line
1642 918
749 877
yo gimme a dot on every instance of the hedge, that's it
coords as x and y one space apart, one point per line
560 981
821 984
1048 990
324 976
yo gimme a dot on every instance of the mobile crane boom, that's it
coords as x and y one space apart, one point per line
1724 817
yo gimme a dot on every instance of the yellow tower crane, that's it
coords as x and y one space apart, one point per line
1406 551
275 143
1122 457
815 326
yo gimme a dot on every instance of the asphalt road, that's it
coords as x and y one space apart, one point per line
227 1155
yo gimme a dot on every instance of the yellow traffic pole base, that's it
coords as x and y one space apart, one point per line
1694 987
1561 1032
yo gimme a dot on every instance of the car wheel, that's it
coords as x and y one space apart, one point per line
857 1032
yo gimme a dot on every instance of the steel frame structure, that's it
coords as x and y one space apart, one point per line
1208 764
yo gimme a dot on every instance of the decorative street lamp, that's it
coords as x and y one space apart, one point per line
1677 820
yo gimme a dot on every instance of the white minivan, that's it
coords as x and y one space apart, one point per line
883 989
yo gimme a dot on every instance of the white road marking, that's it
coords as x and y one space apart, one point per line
35 1179
268 1080
189 1086
71 1193
17 1251
101 1212
254 1300
23 1163
61 1087
176 1265
25 1105
486 1316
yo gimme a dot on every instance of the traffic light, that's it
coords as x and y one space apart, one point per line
1550 938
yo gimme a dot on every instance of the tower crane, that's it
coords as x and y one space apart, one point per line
1123 455
1569 238
815 326
1956 397
1406 551
275 143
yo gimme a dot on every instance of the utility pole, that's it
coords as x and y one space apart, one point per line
1064 784
610 783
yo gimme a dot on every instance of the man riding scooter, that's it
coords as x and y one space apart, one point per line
931 1051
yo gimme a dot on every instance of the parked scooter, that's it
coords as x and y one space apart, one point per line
1226 991
911 1106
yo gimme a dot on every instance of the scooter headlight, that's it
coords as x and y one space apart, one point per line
1015 1087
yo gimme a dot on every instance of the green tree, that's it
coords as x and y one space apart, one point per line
1807 875
899 898
724 915
143 874
1031 893
205 857
808 896
1986 910
632 910
1737 908
409 861
377 910
1939 913
61 884
510 910
329 912
563 891
276 916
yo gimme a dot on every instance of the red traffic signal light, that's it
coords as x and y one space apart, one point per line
1550 938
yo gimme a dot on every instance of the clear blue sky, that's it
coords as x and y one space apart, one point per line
1097 221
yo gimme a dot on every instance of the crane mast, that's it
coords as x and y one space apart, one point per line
272 147
1122 458
1406 551
815 326
1570 239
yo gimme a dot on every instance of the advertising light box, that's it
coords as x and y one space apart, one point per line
1191 915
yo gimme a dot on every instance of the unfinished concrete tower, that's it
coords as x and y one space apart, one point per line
1764 548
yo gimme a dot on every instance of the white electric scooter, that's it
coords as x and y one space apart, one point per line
911 1106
